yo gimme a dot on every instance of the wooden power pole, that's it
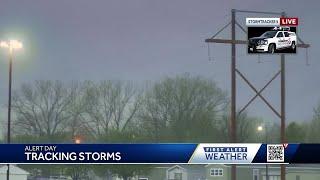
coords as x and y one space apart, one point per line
234 71
233 88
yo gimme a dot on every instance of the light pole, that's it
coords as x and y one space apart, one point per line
11 45
260 129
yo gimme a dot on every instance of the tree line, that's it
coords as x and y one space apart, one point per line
174 109
181 109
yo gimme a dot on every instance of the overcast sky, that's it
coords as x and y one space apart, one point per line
149 39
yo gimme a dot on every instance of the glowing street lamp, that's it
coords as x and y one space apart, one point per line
77 141
11 45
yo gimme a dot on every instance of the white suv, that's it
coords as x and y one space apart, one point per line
270 41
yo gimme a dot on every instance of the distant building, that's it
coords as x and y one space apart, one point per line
52 178
16 173
223 172
258 172
172 172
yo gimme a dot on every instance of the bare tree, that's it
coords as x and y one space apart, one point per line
43 108
313 134
182 108
77 109
110 105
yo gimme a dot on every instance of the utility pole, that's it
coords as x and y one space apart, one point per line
233 88
283 106
234 71
283 110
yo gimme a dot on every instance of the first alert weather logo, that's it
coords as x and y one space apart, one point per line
208 153
226 153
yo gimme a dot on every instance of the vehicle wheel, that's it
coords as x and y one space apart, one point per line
271 48
293 45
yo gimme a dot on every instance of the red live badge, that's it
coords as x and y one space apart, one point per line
287 21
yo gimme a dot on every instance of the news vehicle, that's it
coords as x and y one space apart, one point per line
275 39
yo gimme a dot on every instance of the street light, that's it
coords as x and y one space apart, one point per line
77 141
11 45
260 129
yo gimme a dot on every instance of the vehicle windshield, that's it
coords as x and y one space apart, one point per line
292 34
269 34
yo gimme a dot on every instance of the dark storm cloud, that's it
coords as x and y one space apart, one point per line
146 40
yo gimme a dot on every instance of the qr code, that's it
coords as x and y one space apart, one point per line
275 153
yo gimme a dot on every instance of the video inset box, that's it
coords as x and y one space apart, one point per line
272 35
